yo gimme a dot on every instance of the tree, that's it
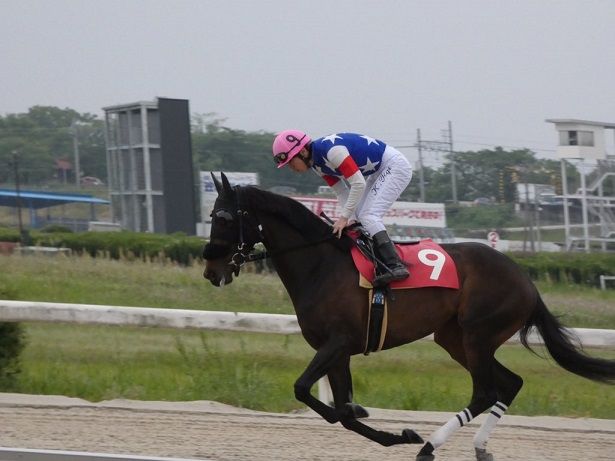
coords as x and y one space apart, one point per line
44 134
218 148
491 173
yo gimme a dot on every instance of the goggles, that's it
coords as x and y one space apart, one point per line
282 157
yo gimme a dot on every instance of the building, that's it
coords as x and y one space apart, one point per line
581 139
582 143
149 162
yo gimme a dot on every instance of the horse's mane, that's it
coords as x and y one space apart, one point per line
292 212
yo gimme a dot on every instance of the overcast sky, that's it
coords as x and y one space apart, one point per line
495 69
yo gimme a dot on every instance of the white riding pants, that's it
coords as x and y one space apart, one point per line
382 189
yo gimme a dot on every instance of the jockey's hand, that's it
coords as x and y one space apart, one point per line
339 225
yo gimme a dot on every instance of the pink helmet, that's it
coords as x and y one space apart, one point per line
287 144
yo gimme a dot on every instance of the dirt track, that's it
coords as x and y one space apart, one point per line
208 430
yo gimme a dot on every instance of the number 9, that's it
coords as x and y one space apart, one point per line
433 258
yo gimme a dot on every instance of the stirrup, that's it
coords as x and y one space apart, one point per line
381 280
384 278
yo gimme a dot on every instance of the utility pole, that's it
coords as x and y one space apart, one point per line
73 127
442 146
452 157
529 221
421 174
15 165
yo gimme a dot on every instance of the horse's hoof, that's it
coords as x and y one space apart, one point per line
355 411
426 453
425 458
482 455
412 436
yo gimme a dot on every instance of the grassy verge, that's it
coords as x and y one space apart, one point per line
258 371
135 283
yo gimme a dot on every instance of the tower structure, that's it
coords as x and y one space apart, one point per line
149 162
583 144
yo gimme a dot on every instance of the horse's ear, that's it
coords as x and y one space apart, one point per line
217 183
227 185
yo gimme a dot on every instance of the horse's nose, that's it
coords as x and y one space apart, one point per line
209 275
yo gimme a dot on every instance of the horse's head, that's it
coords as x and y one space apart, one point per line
232 235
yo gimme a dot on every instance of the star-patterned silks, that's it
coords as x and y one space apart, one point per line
369 166
331 138
370 140
366 152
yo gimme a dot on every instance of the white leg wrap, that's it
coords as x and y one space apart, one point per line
442 434
481 437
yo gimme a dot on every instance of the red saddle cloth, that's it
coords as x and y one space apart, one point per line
428 263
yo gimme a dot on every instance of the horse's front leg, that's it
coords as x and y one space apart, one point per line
341 385
325 358
340 380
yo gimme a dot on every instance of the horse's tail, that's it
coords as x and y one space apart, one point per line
564 346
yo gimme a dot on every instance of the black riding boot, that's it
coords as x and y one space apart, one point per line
385 251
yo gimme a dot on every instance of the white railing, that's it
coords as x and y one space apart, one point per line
603 279
94 314
26 454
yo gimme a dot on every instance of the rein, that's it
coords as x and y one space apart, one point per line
244 251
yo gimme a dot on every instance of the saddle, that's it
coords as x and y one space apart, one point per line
430 266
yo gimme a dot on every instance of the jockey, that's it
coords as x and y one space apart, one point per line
367 176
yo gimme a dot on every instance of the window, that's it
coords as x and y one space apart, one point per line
576 138
586 138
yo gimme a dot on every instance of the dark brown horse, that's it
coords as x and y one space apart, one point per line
495 300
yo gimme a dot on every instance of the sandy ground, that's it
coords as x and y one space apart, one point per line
213 431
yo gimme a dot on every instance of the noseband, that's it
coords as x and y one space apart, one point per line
243 253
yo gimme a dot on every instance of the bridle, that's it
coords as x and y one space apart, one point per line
243 252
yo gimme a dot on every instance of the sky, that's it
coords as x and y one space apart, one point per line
495 69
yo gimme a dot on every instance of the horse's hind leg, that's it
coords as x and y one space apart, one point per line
477 357
508 384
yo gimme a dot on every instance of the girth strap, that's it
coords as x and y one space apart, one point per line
377 321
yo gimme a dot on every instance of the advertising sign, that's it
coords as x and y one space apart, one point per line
209 193
416 214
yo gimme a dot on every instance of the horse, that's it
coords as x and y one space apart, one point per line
495 300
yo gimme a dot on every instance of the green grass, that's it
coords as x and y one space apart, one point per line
580 306
257 370
88 280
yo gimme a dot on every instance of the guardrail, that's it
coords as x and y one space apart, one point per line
12 454
94 314
603 279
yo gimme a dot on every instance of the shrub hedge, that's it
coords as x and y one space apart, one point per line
177 247
12 342
576 268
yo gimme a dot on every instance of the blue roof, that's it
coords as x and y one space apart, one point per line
37 199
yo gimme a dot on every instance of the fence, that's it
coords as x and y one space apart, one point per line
25 454
34 311
603 279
